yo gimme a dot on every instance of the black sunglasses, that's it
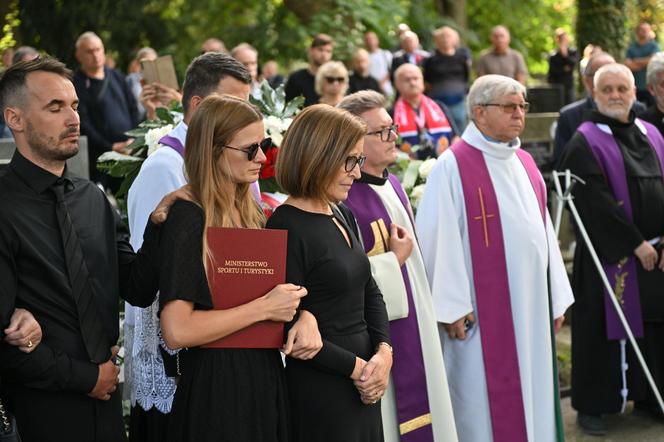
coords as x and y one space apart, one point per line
252 149
333 79
352 161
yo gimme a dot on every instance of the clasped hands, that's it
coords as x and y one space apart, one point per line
372 377
647 255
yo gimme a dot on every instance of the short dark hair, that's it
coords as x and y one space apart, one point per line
206 71
321 40
12 81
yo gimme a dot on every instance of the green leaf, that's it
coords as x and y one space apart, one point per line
270 185
138 142
293 107
164 115
137 132
127 182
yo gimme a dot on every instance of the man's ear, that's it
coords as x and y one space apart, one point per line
14 119
193 103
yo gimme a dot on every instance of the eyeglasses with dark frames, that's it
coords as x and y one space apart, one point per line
510 108
337 79
252 149
386 132
352 161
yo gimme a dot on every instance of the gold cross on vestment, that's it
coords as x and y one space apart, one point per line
483 217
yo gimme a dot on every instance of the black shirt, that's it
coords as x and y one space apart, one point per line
655 116
34 274
358 83
342 294
302 82
447 74
561 67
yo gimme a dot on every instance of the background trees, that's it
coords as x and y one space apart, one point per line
280 29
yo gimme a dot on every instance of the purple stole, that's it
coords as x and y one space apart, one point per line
177 146
408 372
623 274
492 293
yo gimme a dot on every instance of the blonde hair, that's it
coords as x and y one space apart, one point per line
214 124
314 148
331 68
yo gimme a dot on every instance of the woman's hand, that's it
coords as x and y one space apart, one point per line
24 331
375 376
304 340
280 303
359 367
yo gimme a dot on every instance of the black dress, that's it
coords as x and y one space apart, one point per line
596 378
344 298
223 395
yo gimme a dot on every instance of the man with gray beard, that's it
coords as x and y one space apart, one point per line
621 204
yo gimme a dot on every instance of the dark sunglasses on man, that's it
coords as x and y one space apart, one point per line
335 79
252 149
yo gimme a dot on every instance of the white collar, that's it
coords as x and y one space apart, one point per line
497 149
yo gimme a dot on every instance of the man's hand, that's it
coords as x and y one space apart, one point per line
121 146
303 341
160 214
647 255
661 260
558 323
401 243
457 329
375 376
107 380
24 331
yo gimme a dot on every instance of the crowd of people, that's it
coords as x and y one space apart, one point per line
437 325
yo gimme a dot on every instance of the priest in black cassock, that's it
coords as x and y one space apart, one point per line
622 207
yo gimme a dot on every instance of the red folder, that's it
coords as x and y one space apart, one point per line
245 265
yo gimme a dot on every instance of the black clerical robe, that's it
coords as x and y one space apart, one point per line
654 116
596 373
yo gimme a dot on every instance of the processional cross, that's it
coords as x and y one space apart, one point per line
483 217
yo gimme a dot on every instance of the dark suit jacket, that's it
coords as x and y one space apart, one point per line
401 57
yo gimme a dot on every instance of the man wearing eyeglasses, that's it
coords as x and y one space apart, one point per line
417 402
621 203
422 121
490 253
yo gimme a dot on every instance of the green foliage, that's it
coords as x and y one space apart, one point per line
531 24
602 22
273 102
11 23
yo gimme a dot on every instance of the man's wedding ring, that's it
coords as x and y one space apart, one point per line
30 344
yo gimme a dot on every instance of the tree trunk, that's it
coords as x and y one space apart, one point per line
454 9
602 22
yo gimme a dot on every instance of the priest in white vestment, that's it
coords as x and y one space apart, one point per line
416 406
491 254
